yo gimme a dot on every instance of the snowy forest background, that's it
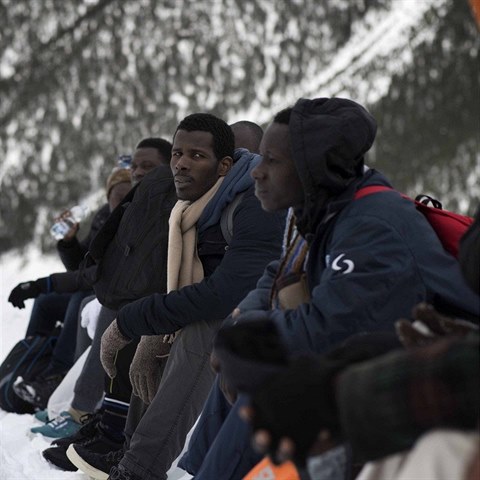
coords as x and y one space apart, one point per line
82 81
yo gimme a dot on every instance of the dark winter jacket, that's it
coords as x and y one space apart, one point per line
130 251
72 252
230 270
371 260
127 257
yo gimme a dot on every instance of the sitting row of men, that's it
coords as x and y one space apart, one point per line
258 293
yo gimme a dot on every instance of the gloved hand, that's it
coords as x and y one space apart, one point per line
26 290
298 403
89 316
145 368
247 353
112 341
429 325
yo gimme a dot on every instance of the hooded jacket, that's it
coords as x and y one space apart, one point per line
370 260
329 139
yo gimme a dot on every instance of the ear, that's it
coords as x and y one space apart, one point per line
224 166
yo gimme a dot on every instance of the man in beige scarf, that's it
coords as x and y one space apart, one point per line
207 277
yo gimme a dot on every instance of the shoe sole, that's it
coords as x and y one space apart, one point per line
55 461
85 467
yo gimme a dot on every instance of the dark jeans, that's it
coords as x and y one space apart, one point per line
220 444
47 310
89 387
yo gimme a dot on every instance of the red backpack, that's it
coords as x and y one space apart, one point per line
449 226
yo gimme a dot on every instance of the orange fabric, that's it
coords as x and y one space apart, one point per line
475 5
266 470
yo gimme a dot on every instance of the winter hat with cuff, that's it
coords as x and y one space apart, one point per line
118 175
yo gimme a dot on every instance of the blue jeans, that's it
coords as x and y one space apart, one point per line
220 444
47 310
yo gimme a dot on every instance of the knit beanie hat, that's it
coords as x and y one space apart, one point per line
118 175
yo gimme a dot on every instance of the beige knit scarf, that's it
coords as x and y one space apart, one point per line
183 264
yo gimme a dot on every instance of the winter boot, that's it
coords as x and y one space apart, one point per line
96 442
96 465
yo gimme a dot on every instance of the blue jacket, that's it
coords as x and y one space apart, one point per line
367 267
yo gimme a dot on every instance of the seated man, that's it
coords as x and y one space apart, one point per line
140 223
210 179
356 264
60 297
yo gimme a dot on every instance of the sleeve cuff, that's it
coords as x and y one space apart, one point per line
121 329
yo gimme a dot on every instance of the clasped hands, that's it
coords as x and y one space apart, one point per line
145 367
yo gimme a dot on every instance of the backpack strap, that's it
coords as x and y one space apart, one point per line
226 220
420 200
363 192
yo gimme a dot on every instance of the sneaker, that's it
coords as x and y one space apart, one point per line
62 426
86 432
121 473
96 465
58 457
98 443
37 392
42 416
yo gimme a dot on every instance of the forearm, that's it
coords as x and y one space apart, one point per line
71 253
68 282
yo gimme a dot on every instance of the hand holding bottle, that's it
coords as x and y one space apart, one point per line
67 223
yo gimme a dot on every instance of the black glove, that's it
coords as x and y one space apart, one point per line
249 352
28 290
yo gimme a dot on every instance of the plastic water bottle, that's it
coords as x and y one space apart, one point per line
61 227
124 161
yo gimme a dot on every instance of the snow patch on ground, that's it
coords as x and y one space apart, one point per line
20 450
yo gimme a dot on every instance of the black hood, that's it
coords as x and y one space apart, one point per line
329 138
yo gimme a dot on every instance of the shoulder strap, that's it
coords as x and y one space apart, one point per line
363 192
226 220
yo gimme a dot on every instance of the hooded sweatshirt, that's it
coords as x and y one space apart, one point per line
370 260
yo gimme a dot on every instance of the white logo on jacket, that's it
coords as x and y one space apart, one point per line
343 265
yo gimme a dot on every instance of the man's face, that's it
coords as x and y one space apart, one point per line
277 184
194 165
144 160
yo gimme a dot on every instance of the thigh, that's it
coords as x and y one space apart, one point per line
231 456
214 413
47 310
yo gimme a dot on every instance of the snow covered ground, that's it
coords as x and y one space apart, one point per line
20 451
